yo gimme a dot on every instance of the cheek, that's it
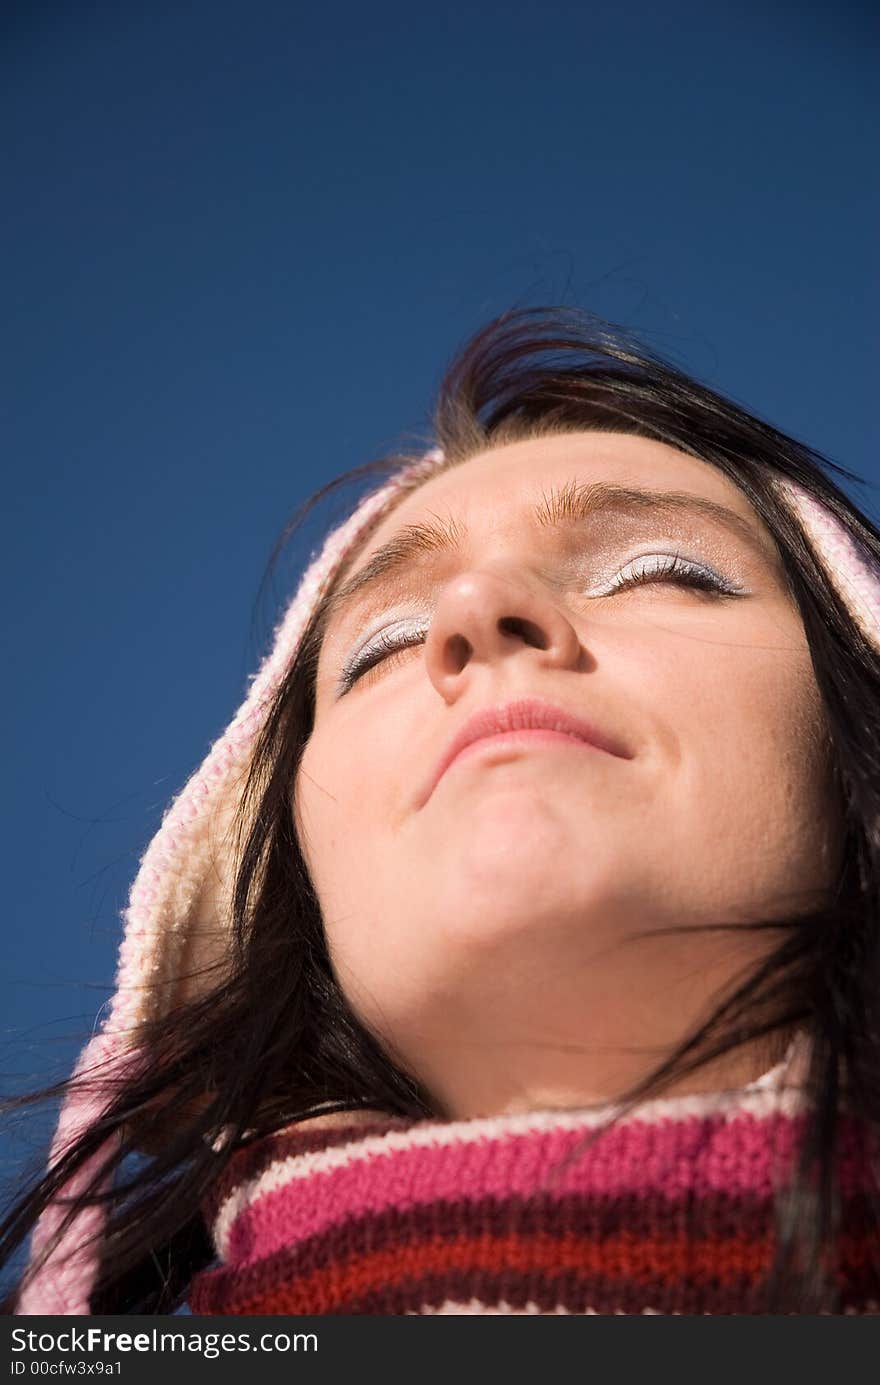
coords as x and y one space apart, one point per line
751 696
333 809
316 801
757 769
769 712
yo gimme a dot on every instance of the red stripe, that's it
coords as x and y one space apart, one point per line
625 1257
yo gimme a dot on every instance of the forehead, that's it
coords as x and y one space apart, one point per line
492 489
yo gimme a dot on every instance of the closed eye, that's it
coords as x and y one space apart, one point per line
387 648
673 568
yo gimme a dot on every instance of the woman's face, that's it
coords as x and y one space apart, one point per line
482 924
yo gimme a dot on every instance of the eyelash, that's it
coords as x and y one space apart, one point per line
675 570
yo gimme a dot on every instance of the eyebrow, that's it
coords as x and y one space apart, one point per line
569 506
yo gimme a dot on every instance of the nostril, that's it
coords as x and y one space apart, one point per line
460 649
531 633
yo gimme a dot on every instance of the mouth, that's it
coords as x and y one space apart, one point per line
525 722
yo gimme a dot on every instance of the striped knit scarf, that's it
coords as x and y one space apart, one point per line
669 1212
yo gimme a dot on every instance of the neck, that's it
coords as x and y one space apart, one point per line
536 1036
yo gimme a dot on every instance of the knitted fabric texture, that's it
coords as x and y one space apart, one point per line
669 1212
179 907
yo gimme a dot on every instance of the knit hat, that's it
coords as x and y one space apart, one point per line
178 886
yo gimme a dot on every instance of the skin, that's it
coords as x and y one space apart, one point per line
486 934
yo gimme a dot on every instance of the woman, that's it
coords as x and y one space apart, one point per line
515 950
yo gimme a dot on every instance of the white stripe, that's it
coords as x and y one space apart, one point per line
474 1306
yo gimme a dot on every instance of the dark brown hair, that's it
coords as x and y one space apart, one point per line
274 1037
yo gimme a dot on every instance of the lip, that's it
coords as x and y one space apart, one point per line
524 714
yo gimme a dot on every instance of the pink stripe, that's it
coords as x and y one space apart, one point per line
695 1157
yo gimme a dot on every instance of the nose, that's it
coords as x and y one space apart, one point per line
487 617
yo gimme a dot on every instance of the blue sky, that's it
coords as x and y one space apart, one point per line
241 243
